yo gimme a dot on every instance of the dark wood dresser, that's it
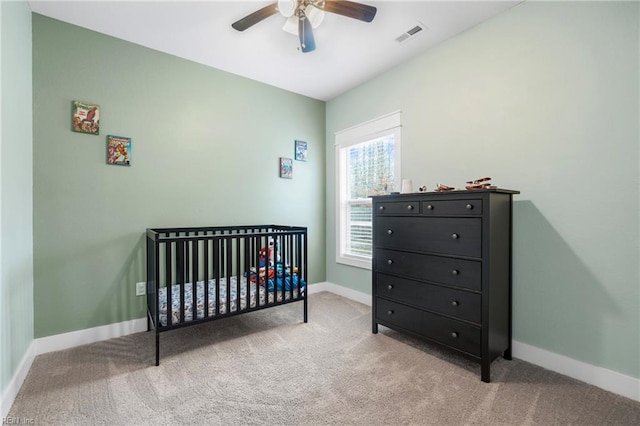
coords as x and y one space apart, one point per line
442 269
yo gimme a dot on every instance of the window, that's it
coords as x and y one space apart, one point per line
368 163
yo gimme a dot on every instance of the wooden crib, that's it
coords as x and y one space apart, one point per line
230 270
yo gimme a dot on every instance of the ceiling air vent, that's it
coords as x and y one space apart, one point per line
411 33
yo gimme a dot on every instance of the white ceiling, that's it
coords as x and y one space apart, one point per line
348 52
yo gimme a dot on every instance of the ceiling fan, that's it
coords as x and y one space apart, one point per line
304 15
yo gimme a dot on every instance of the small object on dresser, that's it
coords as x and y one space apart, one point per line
423 188
441 187
407 186
482 183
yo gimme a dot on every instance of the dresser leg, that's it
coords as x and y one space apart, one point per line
507 354
485 372
374 328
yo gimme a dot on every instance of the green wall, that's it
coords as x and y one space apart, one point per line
206 146
544 98
16 237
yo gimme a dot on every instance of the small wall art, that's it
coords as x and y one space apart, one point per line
301 150
118 150
86 118
286 168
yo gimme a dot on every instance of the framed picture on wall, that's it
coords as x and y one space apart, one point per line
86 118
118 150
286 168
301 150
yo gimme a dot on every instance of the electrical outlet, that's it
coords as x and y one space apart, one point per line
141 288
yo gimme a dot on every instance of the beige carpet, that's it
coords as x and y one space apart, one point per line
268 367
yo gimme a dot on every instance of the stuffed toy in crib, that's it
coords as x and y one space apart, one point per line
267 257
270 263
269 253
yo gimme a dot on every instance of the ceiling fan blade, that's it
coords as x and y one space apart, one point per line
305 32
351 9
255 17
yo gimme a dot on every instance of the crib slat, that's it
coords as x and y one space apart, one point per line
216 273
275 269
247 270
156 272
267 271
294 264
205 258
284 263
228 273
302 247
168 260
261 279
289 264
181 272
237 274
194 277
254 263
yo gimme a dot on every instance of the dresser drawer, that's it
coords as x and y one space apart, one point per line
456 303
451 207
447 331
456 236
400 315
437 269
398 208
452 333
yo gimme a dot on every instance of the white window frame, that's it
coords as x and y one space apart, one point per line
369 130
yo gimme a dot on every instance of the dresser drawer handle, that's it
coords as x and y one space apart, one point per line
455 272
389 261
454 335
389 231
389 312
455 303
469 206
390 287
455 236
381 208
429 207
409 207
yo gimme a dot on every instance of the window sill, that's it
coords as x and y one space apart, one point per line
357 262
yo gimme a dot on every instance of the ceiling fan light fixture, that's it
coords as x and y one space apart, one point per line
291 25
305 15
315 15
287 7
305 34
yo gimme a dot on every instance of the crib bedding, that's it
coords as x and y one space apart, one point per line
263 293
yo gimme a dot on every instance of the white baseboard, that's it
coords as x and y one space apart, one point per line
72 339
348 293
603 378
317 287
10 393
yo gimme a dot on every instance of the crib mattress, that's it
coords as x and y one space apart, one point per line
262 293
